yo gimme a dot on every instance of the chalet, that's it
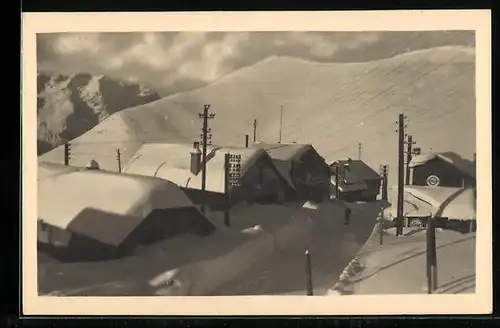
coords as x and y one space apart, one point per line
443 170
181 163
357 181
302 167
92 215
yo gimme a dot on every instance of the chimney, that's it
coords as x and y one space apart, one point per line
246 140
195 160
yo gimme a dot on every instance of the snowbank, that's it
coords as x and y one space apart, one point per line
398 266
189 265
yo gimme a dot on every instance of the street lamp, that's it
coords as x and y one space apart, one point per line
346 169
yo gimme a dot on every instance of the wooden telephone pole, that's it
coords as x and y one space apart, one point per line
206 136
383 173
67 153
281 123
254 130
401 150
119 160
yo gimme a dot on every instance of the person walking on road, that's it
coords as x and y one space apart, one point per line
347 216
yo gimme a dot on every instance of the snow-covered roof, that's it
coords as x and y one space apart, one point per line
358 170
104 206
353 186
47 170
172 162
452 203
450 157
283 151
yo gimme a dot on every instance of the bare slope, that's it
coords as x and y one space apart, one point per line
68 106
332 106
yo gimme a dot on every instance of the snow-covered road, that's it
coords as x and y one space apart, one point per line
333 246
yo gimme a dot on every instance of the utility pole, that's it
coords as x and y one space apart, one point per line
401 143
409 153
381 227
206 136
281 122
359 150
254 130
119 159
431 258
384 182
67 153
246 140
337 188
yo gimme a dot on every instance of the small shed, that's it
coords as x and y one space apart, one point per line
442 170
181 163
302 166
358 182
91 215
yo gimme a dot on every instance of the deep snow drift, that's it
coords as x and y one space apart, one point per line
263 240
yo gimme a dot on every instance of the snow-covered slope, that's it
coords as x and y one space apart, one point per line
331 105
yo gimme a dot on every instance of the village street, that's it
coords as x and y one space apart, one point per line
334 246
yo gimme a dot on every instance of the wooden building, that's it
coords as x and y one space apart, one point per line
357 180
302 166
442 170
260 181
93 215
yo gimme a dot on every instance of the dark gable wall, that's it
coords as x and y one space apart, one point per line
68 247
449 175
311 162
272 184
263 172
373 189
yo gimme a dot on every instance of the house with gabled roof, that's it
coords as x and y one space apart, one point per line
181 163
357 181
445 169
302 166
92 215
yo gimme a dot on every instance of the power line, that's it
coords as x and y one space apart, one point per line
206 136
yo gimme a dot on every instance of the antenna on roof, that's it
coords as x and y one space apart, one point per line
281 122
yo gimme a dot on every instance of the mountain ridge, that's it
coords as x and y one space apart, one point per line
69 105
332 106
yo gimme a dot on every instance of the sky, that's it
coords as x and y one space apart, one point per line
173 62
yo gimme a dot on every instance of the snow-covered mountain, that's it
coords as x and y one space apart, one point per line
68 106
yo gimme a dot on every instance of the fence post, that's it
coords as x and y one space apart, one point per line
434 270
431 261
381 227
309 283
